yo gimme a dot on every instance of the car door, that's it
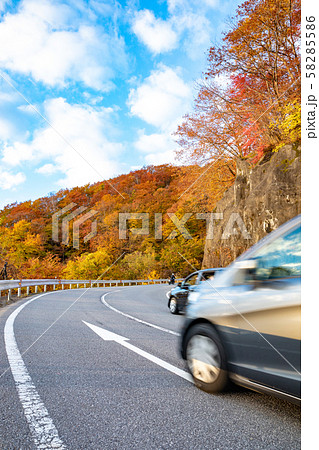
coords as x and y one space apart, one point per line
265 328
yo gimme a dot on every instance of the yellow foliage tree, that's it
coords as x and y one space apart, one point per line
90 266
18 243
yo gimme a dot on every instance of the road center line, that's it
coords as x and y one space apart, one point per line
42 428
135 318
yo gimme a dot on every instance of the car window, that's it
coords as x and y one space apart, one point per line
191 280
281 258
207 276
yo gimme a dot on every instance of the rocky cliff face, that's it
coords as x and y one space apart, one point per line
261 199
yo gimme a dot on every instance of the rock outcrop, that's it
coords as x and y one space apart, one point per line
262 198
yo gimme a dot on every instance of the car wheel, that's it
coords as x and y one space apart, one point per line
206 358
173 306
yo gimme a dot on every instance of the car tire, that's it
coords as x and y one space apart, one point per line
173 305
206 359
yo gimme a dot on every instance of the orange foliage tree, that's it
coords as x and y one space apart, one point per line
251 78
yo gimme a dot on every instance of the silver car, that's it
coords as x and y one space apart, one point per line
244 326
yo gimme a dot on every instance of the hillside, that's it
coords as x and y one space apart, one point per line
34 249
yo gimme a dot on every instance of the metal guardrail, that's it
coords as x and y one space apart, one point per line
7 286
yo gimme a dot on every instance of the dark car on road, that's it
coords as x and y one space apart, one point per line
177 298
244 326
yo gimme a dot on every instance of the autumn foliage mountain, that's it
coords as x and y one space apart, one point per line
247 104
26 229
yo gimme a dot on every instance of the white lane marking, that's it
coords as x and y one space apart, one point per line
167 294
135 318
109 336
42 428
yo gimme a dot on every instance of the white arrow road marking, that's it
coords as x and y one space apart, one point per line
109 336
105 334
42 428
134 318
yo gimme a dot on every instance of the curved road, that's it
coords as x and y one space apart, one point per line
100 369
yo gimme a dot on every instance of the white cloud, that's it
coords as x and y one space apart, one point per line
188 27
92 99
47 169
197 32
6 129
162 99
77 144
154 143
18 153
52 51
7 97
212 3
156 148
156 34
9 180
163 157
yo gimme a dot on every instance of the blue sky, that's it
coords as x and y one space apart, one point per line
93 89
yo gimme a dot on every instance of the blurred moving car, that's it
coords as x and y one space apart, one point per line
245 325
177 300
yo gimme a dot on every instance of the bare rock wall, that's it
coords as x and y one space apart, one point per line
261 199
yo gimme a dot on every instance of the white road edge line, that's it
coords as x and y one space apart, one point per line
110 336
135 318
42 428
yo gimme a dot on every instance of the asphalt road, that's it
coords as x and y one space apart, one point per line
62 385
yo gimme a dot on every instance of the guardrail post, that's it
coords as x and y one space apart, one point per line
19 289
62 286
35 289
9 295
28 290
44 288
3 302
